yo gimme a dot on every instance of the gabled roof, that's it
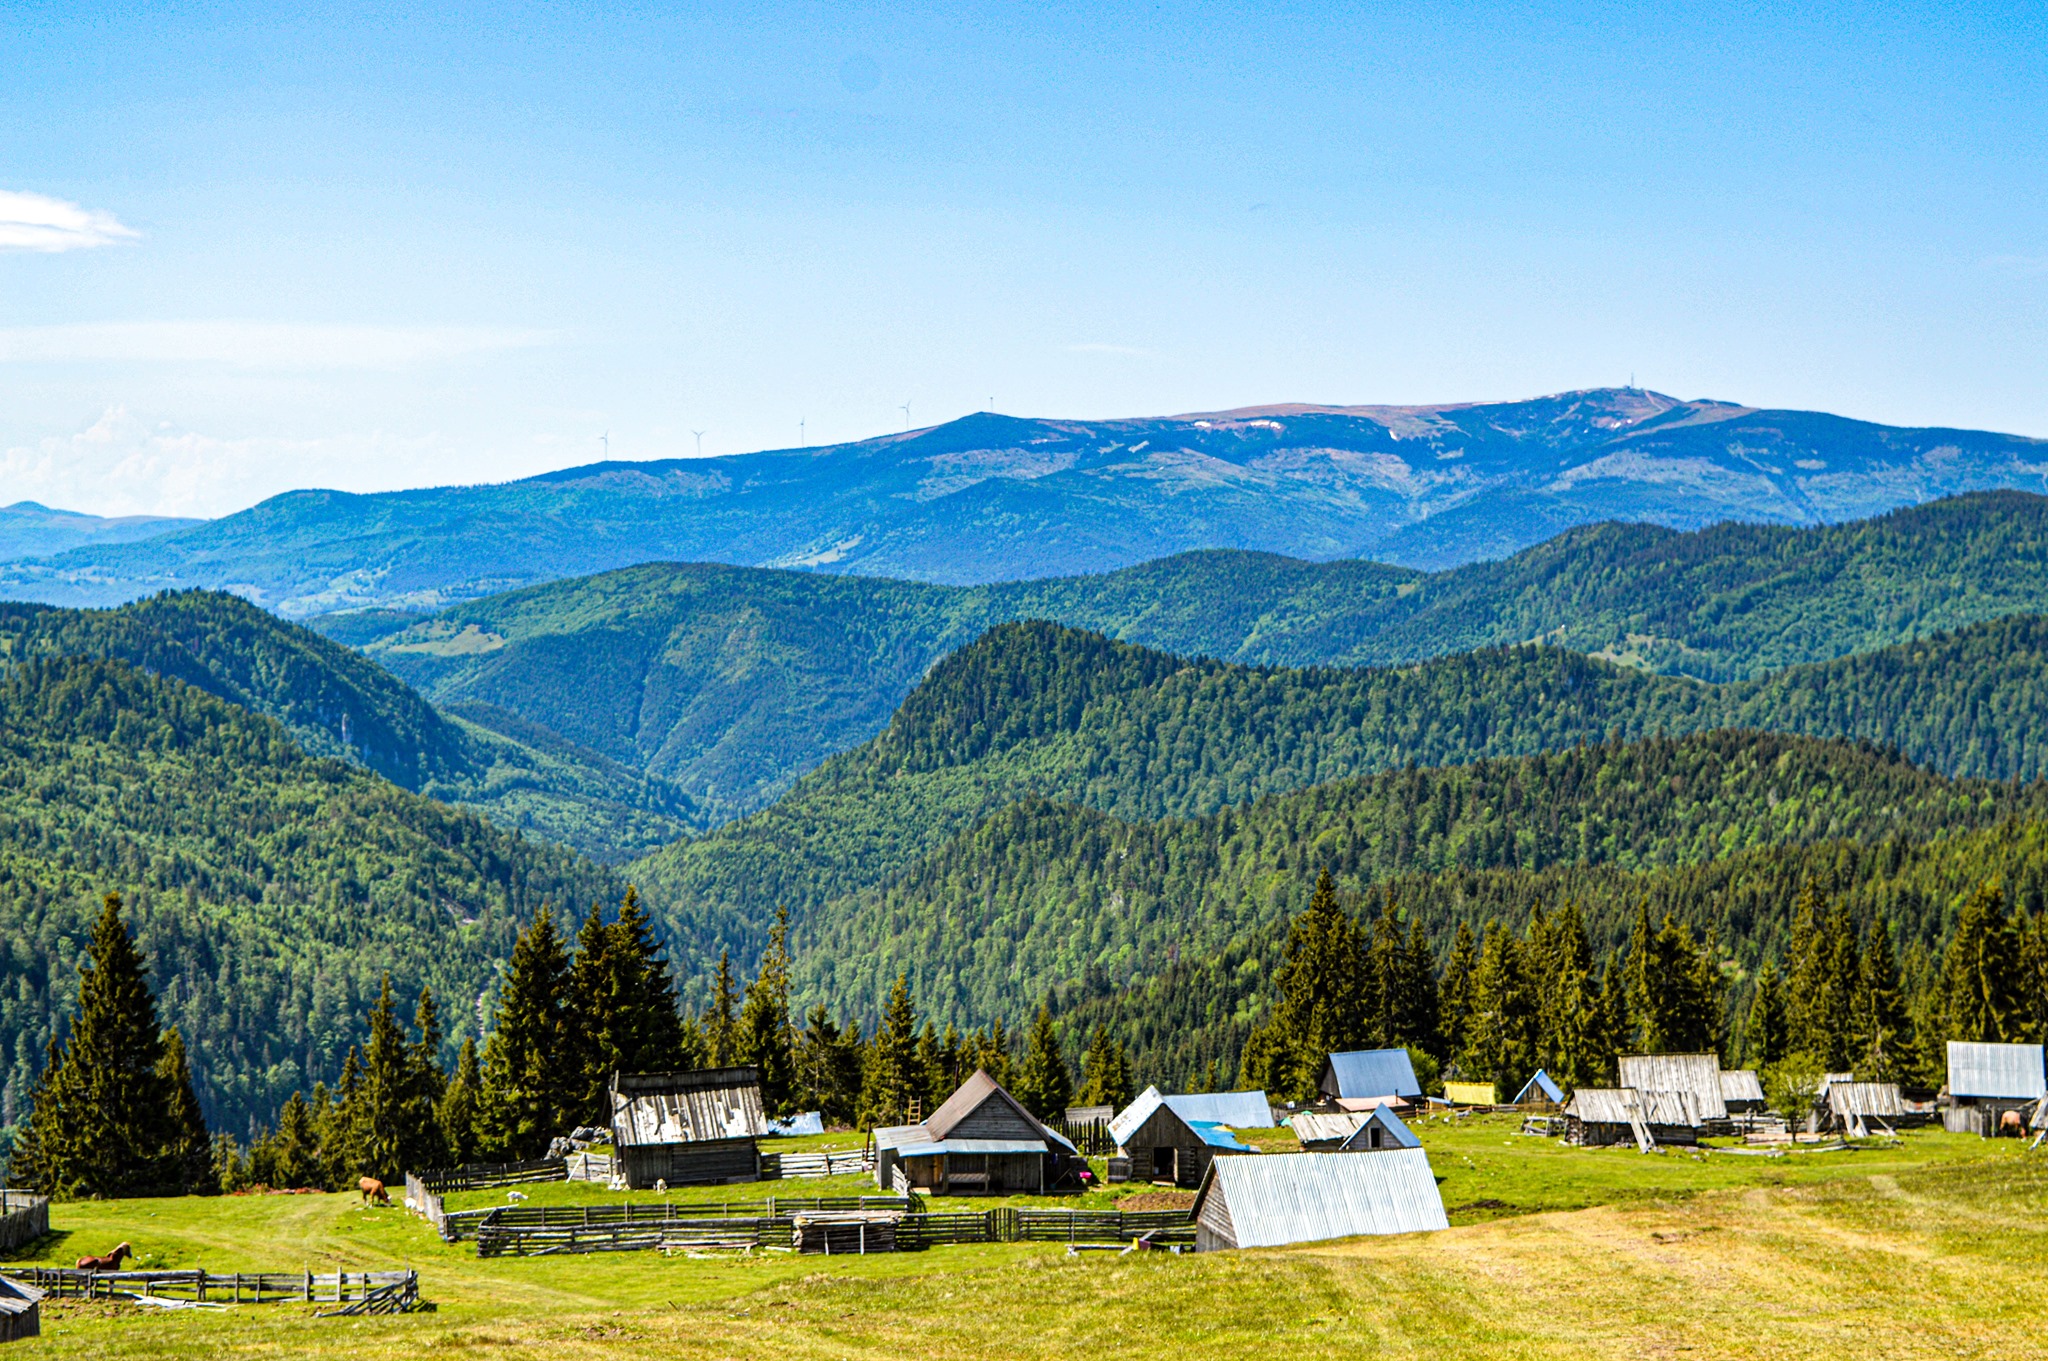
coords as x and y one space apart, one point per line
1308 1197
1231 1110
1393 1134
1373 1072
18 1297
1610 1106
1741 1084
1866 1098
1315 1127
683 1107
970 1096
1539 1088
2010 1072
1697 1075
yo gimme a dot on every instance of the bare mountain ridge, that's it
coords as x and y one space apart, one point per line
993 498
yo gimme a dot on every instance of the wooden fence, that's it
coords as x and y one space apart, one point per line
829 1163
486 1176
1091 1137
368 1292
24 1217
537 1241
457 1225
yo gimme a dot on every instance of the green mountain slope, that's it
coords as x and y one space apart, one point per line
336 703
1034 710
731 681
1045 894
272 889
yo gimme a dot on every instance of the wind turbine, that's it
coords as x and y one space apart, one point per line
905 409
700 442
606 440
800 434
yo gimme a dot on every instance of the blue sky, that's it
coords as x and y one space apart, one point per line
376 248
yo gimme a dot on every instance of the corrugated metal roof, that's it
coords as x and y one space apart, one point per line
1374 1072
900 1136
1539 1088
1136 1114
1866 1098
1697 1075
1610 1106
1741 1084
675 1108
1238 1110
1393 1134
1310 1197
2011 1072
1313 1127
970 1146
1216 1136
804 1122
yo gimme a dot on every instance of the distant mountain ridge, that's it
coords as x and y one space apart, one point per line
31 530
731 682
994 498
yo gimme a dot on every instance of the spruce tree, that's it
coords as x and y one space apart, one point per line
1106 1072
1765 1037
530 1095
106 1120
764 1034
396 1124
1321 1007
1500 1032
1455 992
457 1113
1982 973
890 1082
622 1004
190 1149
720 1022
1043 1083
823 1080
1883 1024
345 1137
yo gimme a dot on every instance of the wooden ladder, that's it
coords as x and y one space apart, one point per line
1632 1104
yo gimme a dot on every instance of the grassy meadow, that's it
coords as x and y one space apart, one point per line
1931 1247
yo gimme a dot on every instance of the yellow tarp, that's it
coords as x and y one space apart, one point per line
1470 1094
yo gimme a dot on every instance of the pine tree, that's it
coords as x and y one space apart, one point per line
764 1033
828 1067
530 1096
931 1076
720 1022
189 1148
1043 1083
1500 1031
106 1120
1321 1005
1981 974
1570 1045
1106 1072
891 1082
344 1137
994 1058
457 1113
622 1004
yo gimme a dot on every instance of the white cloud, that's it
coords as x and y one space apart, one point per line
124 465
256 344
40 223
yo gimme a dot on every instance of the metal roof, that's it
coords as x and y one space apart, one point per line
1216 1136
2010 1072
1866 1098
1233 1110
1393 1133
977 1147
1539 1086
1374 1072
1697 1075
900 1136
971 1095
1610 1106
675 1108
804 1122
1740 1084
1309 1197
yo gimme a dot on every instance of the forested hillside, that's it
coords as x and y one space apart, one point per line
1044 894
733 681
336 703
1034 710
270 888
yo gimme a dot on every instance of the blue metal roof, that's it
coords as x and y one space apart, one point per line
1216 1136
1539 1084
1375 1072
1394 1134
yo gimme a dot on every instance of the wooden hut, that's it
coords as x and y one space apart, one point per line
1372 1131
692 1128
1370 1072
1287 1198
1987 1080
1621 1115
1540 1090
1742 1092
1167 1139
1696 1075
21 1310
981 1141
1853 1106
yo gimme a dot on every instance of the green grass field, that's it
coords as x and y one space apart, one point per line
1928 1248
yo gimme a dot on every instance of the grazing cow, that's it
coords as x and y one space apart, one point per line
2012 1123
111 1262
373 1189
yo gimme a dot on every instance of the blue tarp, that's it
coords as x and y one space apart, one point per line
789 1126
1216 1136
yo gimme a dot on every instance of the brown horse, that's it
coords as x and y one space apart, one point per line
373 1189
110 1262
2012 1123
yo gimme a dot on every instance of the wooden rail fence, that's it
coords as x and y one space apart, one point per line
487 1176
457 1225
825 1224
24 1217
364 1292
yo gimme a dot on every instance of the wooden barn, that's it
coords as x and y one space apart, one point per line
1853 1107
21 1310
1284 1198
1174 1138
1696 1075
1368 1073
1373 1131
981 1141
1987 1080
1621 1115
688 1129
1742 1092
